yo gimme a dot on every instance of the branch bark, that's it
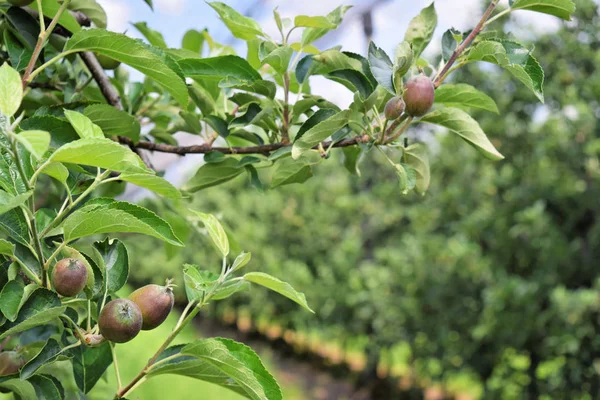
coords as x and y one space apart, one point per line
466 43
108 91
206 148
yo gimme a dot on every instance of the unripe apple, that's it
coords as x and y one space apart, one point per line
394 108
20 3
419 95
10 363
120 321
155 303
69 277
107 62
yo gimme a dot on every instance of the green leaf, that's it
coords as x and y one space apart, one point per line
155 38
217 68
7 248
278 286
240 261
10 299
105 215
420 29
51 7
354 80
318 117
559 8
21 388
11 90
288 171
8 201
464 95
57 171
132 53
216 231
240 363
92 9
403 59
352 155
14 225
36 142
113 121
199 283
407 177
60 130
193 40
41 307
418 159
214 174
19 54
84 127
449 43
320 132
240 26
89 364
335 17
466 127
114 262
103 153
381 67
264 87
47 387
279 58
152 182
218 124
313 22
514 58
49 354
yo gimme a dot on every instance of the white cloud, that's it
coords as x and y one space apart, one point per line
172 7
118 14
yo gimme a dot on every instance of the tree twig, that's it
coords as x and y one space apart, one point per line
466 43
206 148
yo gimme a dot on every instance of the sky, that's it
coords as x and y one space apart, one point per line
390 17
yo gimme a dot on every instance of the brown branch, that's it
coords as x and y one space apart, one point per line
466 43
206 148
108 91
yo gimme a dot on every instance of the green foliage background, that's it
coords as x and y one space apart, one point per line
491 279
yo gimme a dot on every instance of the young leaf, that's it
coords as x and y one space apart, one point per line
514 58
418 159
420 30
105 215
407 177
240 26
214 174
335 17
10 299
84 127
278 286
103 153
89 364
41 307
7 248
320 132
8 201
113 121
23 389
464 95
352 155
559 8
289 171
466 127
313 22
240 261
114 262
279 58
11 90
216 231
403 59
381 67
152 182
449 43
36 142
155 38
132 53
57 171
